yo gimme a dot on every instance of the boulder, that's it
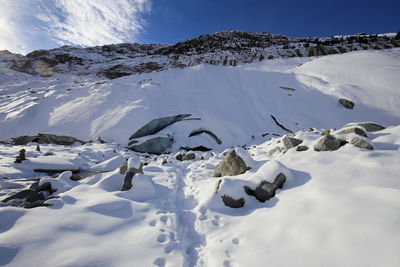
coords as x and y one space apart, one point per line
179 156
346 103
327 143
355 130
156 145
290 142
156 125
302 148
231 202
129 175
361 143
368 126
266 190
189 156
231 165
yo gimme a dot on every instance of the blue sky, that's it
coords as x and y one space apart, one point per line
26 25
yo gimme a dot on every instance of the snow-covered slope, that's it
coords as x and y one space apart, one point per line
234 103
336 208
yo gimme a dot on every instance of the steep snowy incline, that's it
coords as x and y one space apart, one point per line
235 103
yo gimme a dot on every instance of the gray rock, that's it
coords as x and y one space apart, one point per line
361 143
327 143
156 145
346 103
179 156
189 156
231 165
156 125
75 177
128 177
231 202
302 148
290 142
369 126
355 130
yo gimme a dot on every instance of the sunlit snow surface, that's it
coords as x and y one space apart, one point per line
336 209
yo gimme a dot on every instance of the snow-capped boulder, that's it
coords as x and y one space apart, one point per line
231 165
266 190
327 143
133 168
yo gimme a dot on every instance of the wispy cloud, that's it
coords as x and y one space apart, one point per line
26 25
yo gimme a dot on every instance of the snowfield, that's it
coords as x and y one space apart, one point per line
336 208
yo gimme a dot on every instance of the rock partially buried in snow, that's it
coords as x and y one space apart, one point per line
302 148
290 142
346 103
231 202
361 143
266 190
189 156
231 165
369 126
355 130
134 166
327 143
43 138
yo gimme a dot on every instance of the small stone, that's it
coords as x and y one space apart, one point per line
179 157
346 103
302 148
75 177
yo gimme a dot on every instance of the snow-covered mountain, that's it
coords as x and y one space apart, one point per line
254 153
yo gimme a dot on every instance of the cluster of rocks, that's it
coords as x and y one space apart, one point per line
44 138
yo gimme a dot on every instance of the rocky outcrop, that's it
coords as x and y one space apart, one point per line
361 143
327 143
231 165
156 125
346 103
290 142
156 145
43 138
266 190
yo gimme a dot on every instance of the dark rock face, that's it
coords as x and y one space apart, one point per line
156 125
290 142
231 165
231 202
266 190
21 156
358 142
35 196
327 143
156 145
196 148
179 156
352 130
128 177
208 132
346 103
42 138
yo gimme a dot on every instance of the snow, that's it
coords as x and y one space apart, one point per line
336 208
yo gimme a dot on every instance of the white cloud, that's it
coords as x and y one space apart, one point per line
26 25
